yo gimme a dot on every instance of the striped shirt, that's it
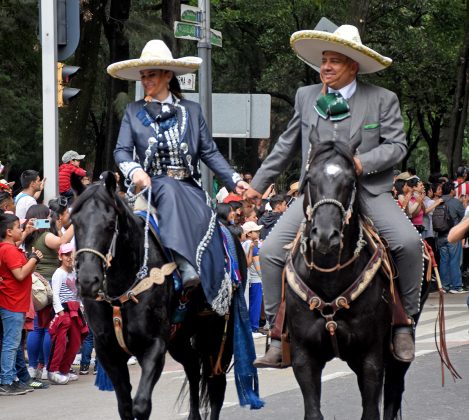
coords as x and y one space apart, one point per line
63 288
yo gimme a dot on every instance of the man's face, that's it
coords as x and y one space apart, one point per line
36 184
75 162
337 70
155 83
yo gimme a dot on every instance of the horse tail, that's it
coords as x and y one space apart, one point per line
394 375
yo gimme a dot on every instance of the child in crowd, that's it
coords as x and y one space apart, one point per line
67 327
15 297
251 249
71 165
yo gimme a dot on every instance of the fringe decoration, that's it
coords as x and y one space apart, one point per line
103 382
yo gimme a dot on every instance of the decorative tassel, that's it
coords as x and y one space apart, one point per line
103 382
441 346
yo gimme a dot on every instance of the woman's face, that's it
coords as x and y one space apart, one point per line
156 83
65 218
231 216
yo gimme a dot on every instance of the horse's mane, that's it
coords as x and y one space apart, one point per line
98 191
325 150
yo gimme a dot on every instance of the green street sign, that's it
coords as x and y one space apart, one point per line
191 14
215 38
187 31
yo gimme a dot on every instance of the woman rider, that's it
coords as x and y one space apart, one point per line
171 138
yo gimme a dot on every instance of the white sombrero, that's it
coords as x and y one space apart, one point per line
309 46
155 55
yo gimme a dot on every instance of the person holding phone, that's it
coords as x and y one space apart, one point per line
48 241
15 297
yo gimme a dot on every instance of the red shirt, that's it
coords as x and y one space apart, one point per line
15 295
65 172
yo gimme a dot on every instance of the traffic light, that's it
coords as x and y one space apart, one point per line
64 74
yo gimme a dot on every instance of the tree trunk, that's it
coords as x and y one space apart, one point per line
358 15
75 117
170 12
114 29
431 139
459 112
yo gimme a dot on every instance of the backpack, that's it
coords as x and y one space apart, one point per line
442 220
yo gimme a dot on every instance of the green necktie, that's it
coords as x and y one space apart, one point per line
333 106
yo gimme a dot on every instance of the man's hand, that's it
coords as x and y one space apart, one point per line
253 196
141 179
241 187
43 182
358 166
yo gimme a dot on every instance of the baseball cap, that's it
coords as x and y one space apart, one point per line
71 155
66 248
405 176
251 227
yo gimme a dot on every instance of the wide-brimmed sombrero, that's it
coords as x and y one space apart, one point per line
155 55
309 46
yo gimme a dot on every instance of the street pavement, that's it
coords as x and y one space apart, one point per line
424 398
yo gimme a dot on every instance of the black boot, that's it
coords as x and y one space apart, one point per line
403 344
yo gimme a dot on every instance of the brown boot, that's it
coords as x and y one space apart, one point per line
403 344
271 359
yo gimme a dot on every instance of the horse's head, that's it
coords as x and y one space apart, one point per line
95 215
329 190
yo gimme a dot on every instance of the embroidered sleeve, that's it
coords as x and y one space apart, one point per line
128 168
236 178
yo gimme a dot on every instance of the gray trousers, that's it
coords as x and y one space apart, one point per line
393 225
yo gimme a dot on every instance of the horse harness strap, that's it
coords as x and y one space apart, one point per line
118 323
157 276
329 309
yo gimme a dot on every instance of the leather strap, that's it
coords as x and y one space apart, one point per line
118 324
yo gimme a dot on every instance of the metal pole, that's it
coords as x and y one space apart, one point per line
205 84
50 142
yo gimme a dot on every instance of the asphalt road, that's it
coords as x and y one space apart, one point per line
424 398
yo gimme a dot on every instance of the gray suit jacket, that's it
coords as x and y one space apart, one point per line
376 126
199 145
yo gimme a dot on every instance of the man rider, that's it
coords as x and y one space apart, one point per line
344 108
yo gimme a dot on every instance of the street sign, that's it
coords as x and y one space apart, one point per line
215 38
187 81
187 31
239 115
191 14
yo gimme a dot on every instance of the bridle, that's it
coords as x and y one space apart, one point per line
345 214
105 259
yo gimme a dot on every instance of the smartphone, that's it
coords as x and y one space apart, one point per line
42 224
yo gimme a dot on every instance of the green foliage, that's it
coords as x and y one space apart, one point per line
422 36
20 86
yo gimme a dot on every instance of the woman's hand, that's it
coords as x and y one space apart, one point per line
141 179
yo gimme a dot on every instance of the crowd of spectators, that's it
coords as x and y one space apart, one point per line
252 223
434 207
37 247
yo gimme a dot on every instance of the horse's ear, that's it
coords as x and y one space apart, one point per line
76 183
109 180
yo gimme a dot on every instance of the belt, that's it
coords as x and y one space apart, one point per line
177 172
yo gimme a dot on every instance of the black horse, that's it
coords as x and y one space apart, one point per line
104 224
329 258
